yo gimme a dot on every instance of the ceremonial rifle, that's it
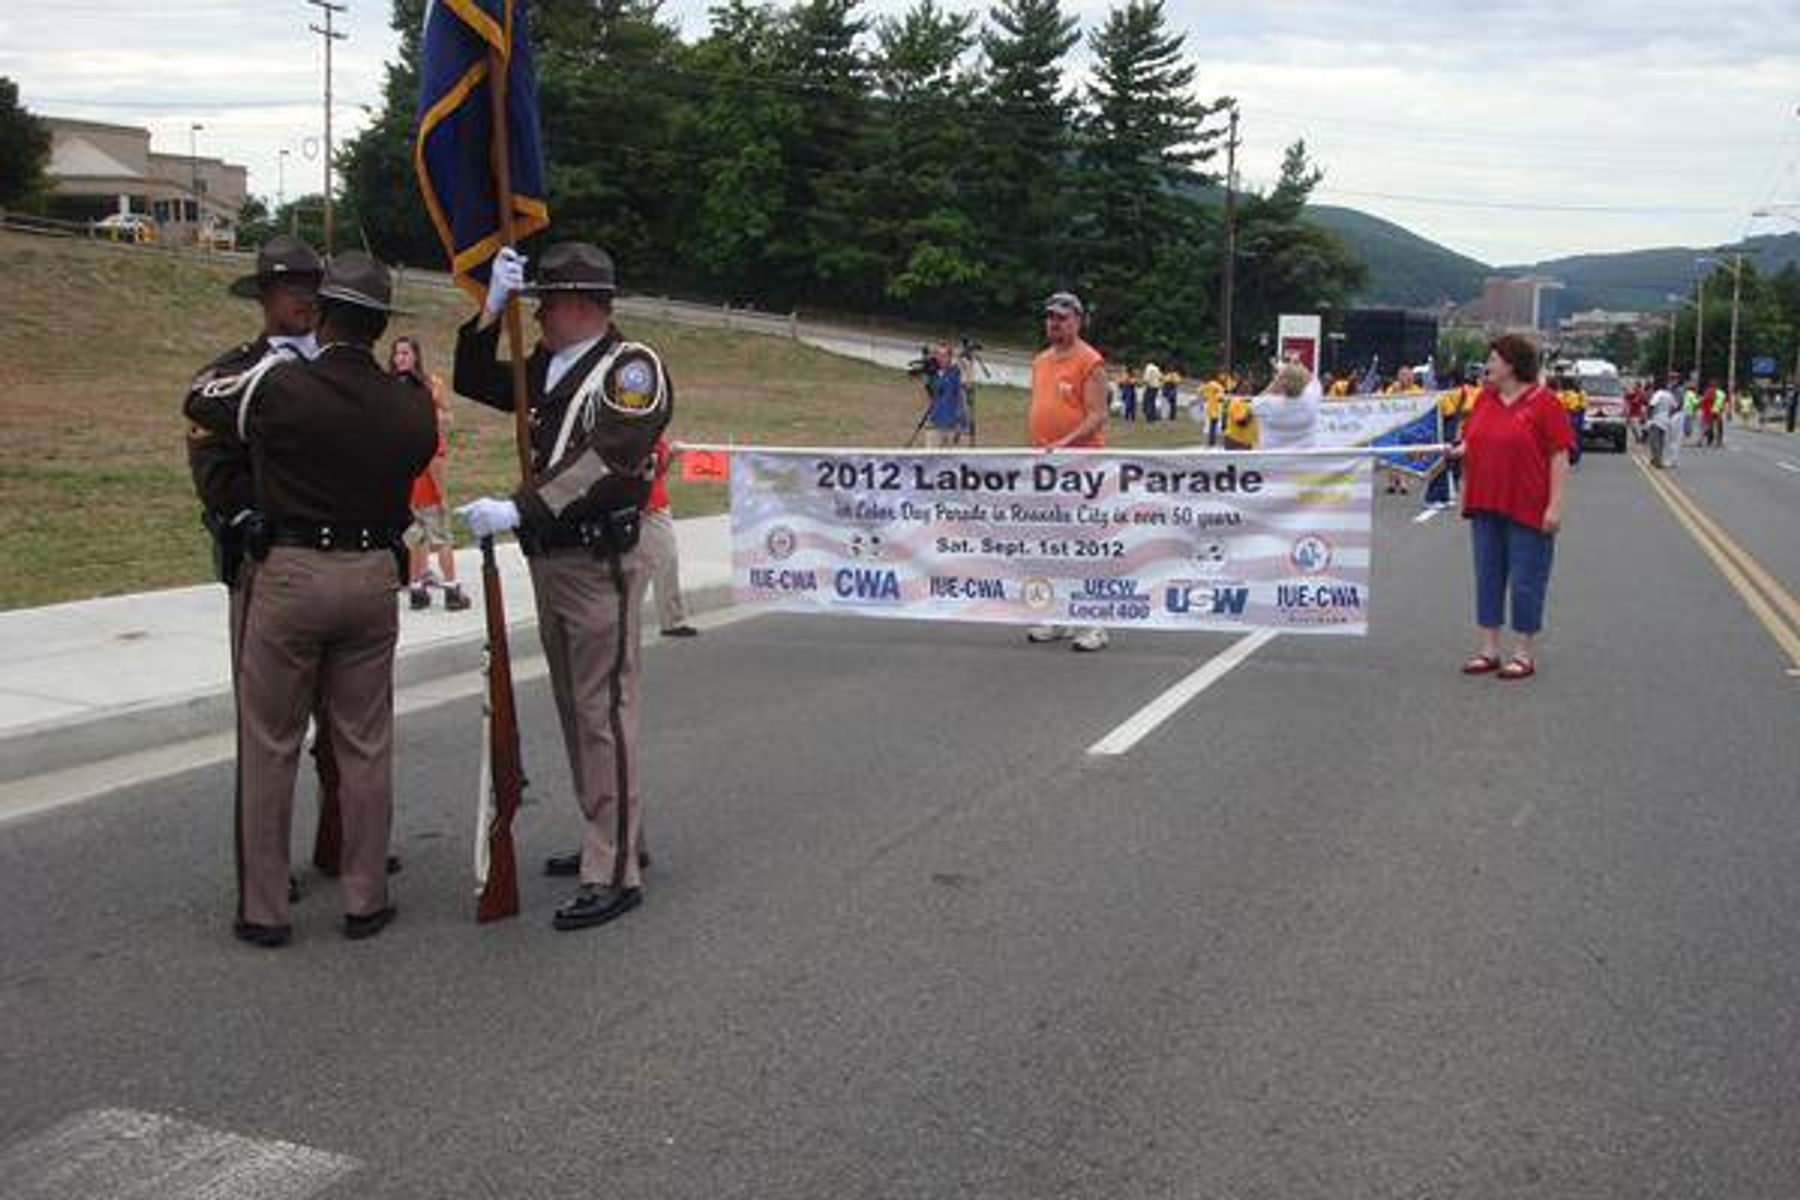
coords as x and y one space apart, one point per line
502 776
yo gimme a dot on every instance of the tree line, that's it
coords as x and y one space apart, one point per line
933 166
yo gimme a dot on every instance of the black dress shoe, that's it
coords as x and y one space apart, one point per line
594 905
569 865
367 925
266 936
681 631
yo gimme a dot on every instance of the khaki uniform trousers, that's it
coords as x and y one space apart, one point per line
318 629
328 839
588 618
657 545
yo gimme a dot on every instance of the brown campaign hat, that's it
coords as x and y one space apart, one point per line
355 278
280 256
574 267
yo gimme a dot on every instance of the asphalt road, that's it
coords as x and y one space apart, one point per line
1349 925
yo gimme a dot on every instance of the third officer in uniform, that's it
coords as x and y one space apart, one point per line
598 404
334 445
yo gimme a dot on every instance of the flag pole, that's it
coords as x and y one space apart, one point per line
502 779
515 337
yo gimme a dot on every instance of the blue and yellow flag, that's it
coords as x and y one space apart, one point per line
453 148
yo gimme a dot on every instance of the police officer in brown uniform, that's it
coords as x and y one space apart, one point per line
334 445
285 285
598 404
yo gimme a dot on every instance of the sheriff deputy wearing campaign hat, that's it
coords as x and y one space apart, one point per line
285 285
335 443
598 404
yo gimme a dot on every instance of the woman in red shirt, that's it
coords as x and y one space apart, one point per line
1515 451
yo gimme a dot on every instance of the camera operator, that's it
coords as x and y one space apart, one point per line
947 407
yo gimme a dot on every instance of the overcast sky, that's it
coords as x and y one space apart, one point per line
1509 132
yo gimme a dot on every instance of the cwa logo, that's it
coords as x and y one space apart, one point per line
864 585
1188 598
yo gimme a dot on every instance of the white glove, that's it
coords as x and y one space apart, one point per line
487 516
505 276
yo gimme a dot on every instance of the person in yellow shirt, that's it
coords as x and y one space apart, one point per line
1212 394
1241 431
1575 400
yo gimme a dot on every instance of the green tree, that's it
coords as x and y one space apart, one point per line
1143 141
1289 265
1023 192
824 259
24 149
607 92
919 155
740 130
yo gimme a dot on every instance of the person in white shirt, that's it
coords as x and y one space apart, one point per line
1666 417
1288 413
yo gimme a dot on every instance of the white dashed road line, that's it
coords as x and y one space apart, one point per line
1146 719
127 1154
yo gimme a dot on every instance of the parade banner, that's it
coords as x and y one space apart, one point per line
1230 541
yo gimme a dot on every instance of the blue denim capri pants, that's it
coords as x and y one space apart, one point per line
1515 558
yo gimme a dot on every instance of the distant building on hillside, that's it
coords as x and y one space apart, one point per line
1515 302
97 169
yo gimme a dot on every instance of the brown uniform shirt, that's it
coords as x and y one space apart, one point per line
333 441
608 463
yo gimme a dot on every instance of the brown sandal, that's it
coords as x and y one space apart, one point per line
1518 667
1481 664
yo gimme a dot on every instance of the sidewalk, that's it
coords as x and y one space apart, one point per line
93 679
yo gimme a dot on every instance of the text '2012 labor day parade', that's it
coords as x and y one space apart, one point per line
819 598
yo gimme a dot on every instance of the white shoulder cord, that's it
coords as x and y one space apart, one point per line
246 382
584 396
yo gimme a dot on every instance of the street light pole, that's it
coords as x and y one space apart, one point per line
1699 326
281 158
330 35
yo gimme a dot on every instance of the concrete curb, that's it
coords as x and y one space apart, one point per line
72 741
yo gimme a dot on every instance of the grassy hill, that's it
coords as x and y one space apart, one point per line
1404 269
98 342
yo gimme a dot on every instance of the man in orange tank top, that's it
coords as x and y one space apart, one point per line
1068 411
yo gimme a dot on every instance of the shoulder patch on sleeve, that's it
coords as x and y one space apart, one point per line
635 384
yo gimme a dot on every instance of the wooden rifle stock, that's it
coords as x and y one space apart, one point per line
500 888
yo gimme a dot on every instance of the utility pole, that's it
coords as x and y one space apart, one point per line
330 35
194 129
1228 280
1737 283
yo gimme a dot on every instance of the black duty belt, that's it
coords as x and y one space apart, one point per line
610 533
318 536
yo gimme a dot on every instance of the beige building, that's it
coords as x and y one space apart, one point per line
98 169
1512 302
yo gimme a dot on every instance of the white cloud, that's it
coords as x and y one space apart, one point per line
1444 117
